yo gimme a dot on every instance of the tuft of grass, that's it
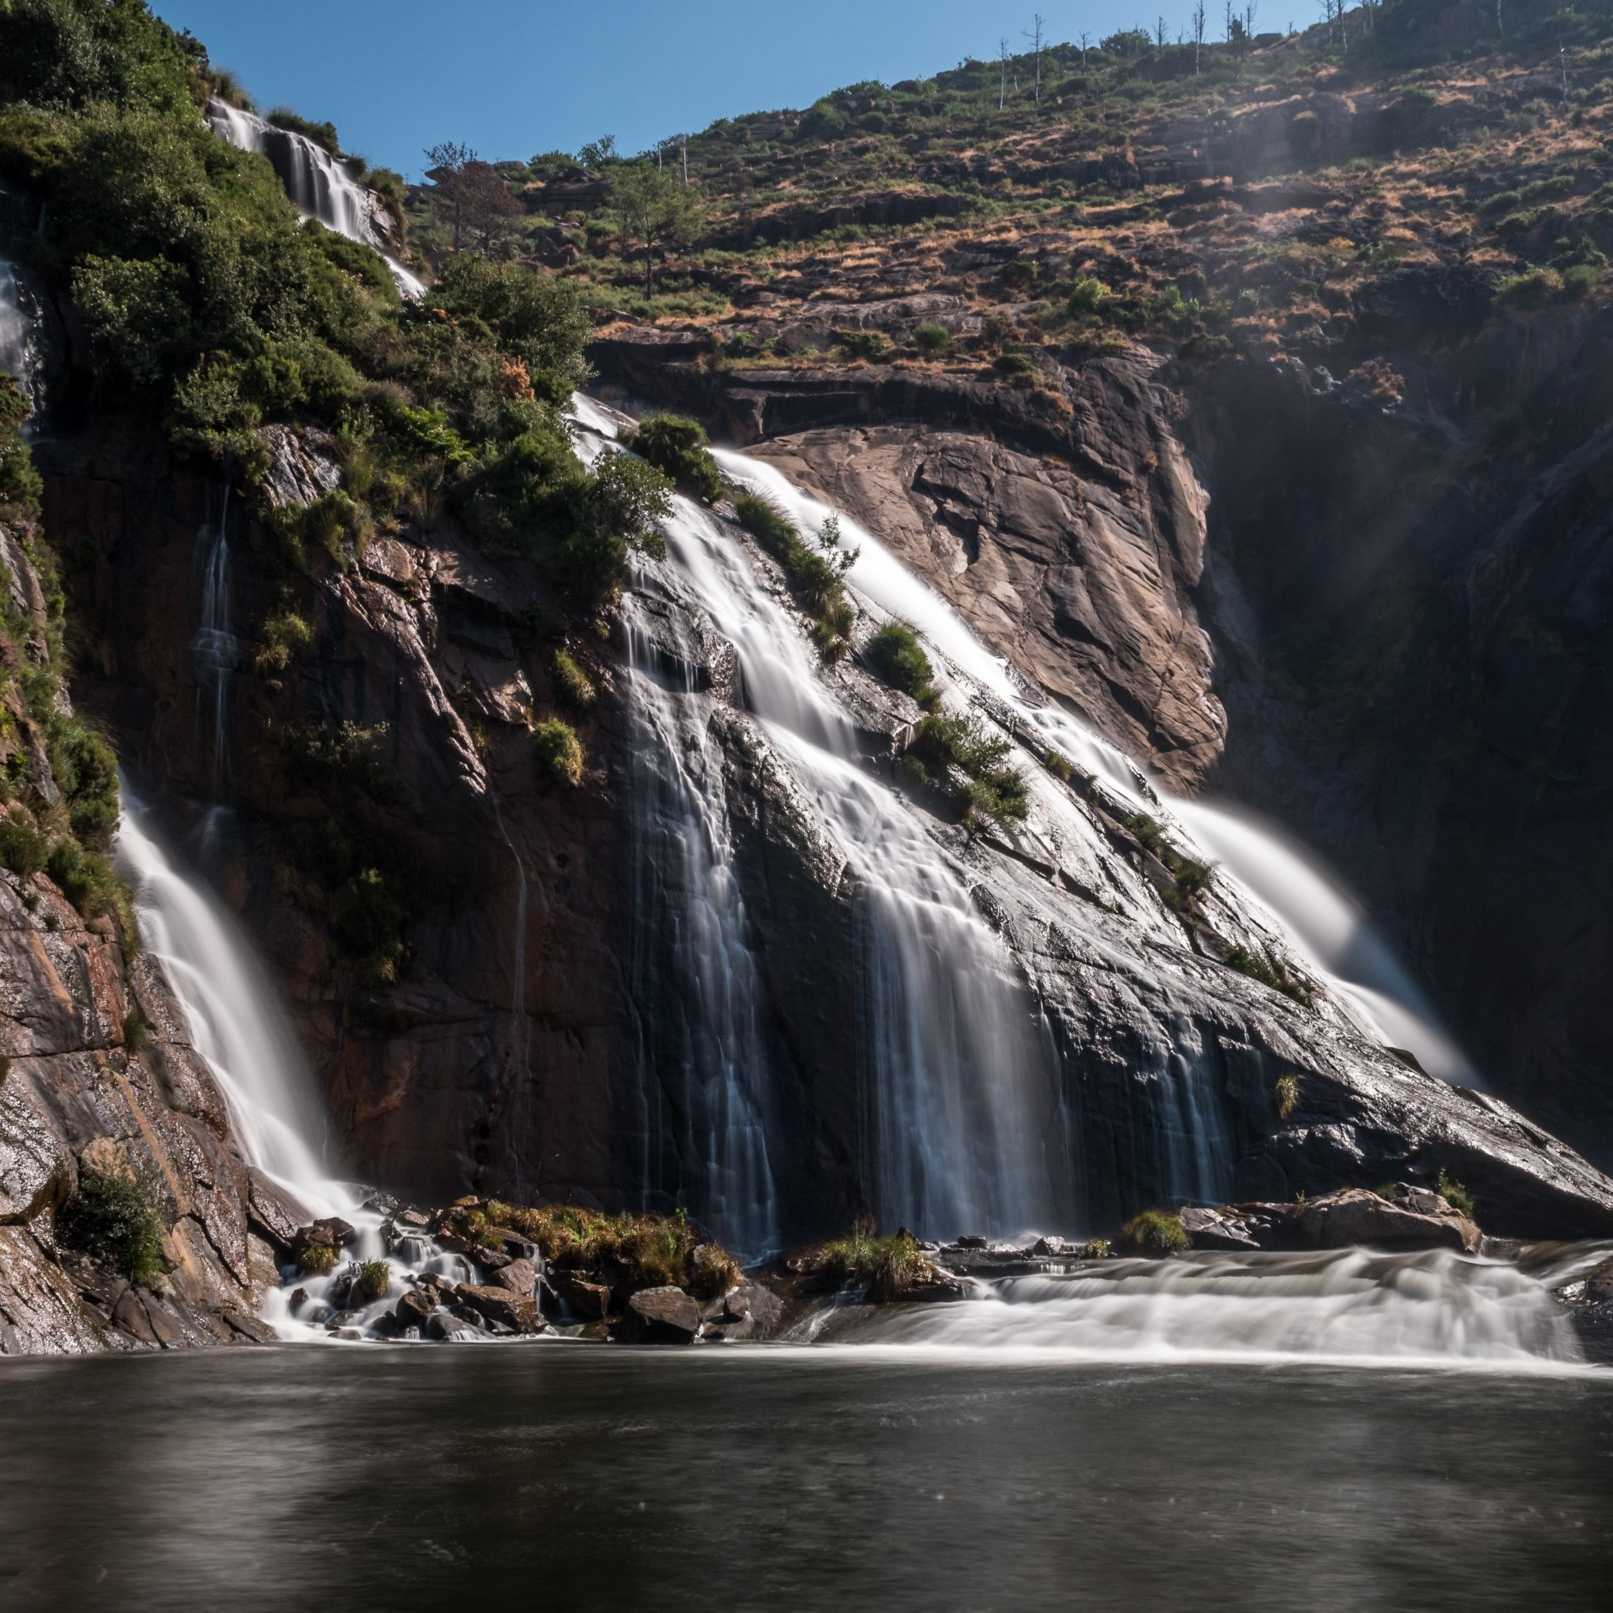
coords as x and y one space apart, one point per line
1059 767
991 786
814 575
1456 1195
631 1251
1285 1095
896 656
136 1032
1269 970
559 751
886 1268
371 1283
1154 1232
119 1220
315 1259
576 688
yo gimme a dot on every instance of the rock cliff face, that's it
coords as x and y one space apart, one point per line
1383 625
98 1078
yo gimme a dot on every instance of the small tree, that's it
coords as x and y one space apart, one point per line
448 162
651 210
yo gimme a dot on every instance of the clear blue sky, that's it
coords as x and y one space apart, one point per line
514 77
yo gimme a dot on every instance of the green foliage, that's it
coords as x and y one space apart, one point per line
932 339
885 1268
991 786
20 486
368 919
1190 879
342 756
1154 1232
1533 288
1285 1095
1266 967
1456 1195
1014 365
1095 1249
370 1283
136 1032
117 1219
576 688
322 134
86 772
896 656
23 848
559 751
864 344
814 578
315 1259
284 637
678 446
1088 296
75 53
631 1251
1059 767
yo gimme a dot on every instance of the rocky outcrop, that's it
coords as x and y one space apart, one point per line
100 1083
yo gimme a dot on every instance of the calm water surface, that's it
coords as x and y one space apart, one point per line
577 1477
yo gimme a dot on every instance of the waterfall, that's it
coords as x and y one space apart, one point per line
319 185
962 1078
1433 1308
19 340
234 1020
215 650
1324 925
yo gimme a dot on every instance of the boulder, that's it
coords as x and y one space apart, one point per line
585 1297
519 1277
413 1309
1357 1216
330 1233
1215 1229
660 1316
499 1305
447 1329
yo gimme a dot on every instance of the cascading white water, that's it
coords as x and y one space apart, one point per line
19 338
703 1077
319 185
215 650
1325 927
962 1077
234 1021
1430 1308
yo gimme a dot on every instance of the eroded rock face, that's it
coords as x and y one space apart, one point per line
76 1098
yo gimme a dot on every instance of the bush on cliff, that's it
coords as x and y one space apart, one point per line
677 446
815 576
118 1219
990 786
896 655
559 751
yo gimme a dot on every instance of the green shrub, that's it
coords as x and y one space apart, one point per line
896 655
932 340
991 788
284 637
1014 365
559 751
373 1279
678 446
576 688
1088 296
1095 1249
1532 289
117 1219
23 848
1154 1232
885 1268
814 577
368 920
1285 1095
322 134
1266 967
315 1259
1059 767
1456 1195
863 344
136 1032
20 484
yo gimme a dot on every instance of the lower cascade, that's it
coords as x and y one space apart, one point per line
1357 1305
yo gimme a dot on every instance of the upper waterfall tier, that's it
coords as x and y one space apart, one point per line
319 185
